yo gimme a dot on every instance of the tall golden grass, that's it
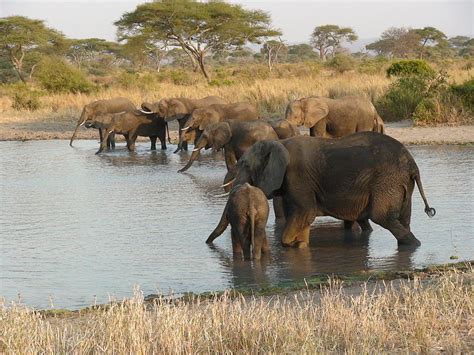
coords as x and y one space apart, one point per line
412 316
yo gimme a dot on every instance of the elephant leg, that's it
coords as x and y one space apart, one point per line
236 246
365 225
259 240
112 141
319 129
132 137
100 135
103 143
162 138
403 235
348 224
278 209
153 142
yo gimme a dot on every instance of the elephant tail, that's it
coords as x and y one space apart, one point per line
252 228
428 210
168 131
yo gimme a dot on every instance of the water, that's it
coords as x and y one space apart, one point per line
77 228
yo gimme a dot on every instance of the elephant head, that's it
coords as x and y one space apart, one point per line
87 112
214 136
203 117
172 109
263 166
307 112
149 108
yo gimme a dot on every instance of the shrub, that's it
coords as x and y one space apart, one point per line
410 67
372 66
465 92
56 76
342 63
25 99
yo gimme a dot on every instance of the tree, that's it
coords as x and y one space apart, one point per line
396 42
326 39
429 36
22 37
271 50
90 50
301 52
198 28
464 45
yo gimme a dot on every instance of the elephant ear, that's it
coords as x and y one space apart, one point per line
206 120
314 109
221 134
271 159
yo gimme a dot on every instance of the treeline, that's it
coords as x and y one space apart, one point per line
195 36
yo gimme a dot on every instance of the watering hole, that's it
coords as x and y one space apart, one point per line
77 228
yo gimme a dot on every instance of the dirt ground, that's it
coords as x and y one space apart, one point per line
13 128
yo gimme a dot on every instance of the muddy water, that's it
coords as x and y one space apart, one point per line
77 228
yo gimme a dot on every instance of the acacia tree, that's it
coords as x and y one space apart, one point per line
21 37
396 42
271 50
198 28
91 49
429 36
328 38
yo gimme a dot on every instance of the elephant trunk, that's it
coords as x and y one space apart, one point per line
195 154
81 121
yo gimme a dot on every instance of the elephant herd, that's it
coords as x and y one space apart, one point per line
347 168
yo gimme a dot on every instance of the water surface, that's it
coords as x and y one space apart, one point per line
77 228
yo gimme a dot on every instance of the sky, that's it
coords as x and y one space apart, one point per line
297 19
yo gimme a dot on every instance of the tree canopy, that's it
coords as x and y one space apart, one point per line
22 36
198 28
328 38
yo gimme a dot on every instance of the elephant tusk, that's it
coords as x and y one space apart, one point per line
82 124
185 128
145 112
111 131
228 183
196 149
222 195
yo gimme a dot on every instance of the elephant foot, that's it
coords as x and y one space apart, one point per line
409 239
163 147
177 150
301 245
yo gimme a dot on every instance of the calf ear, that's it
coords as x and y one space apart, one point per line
314 110
221 134
273 160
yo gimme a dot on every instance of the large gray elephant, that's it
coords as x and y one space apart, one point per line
100 107
132 124
363 176
235 137
180 108
247 212
332 118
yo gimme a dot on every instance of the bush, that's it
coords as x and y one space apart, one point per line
410 67
25 99
342 63
465 92
57 76
372 66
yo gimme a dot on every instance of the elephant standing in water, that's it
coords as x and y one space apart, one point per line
133 124
100 107
203 117
363 176
180 109
247 211
332 118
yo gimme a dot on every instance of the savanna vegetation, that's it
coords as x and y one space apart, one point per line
189 48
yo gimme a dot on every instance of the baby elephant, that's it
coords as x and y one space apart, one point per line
247 212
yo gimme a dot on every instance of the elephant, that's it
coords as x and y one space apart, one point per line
366 175
333 118
180 108
235 137
205 116
100 107
283 128
133 124
247 212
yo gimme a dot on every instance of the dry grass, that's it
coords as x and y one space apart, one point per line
414 316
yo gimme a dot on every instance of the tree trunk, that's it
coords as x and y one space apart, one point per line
200 59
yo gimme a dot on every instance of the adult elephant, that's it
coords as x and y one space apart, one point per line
283 128
204 117
180 108
332 118
132 124
363 176
101 107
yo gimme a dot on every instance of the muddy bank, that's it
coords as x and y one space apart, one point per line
46 128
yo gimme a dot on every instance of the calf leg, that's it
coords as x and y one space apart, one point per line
365 225
153 142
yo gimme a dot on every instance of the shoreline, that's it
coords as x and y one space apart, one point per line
50 128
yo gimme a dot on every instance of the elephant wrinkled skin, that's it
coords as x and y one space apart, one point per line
333 118
100 107
363 176
247 212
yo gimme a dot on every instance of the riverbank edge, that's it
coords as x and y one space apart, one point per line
315 283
